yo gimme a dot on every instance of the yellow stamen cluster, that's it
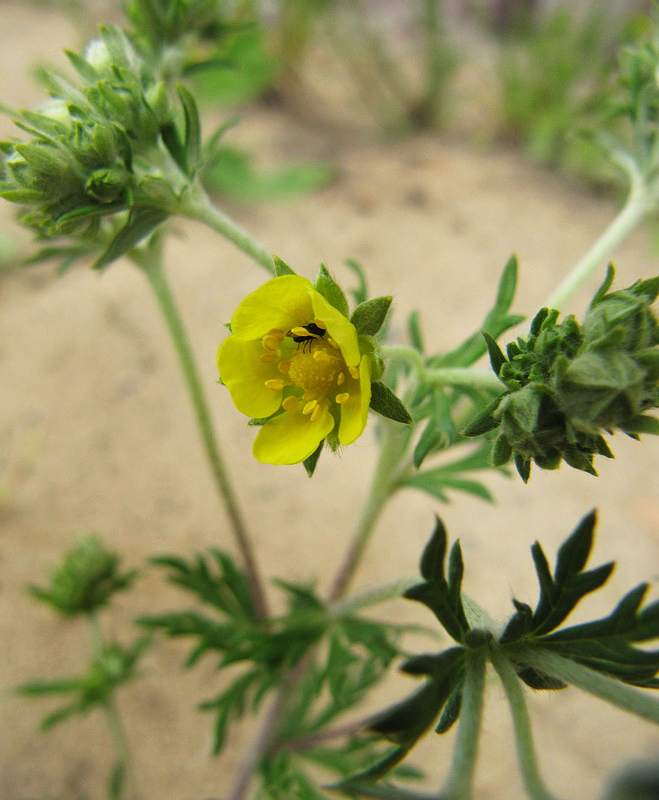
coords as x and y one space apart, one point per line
317 369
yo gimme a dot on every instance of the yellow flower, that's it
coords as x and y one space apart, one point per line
292 352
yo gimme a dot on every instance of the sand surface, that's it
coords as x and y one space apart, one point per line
96 435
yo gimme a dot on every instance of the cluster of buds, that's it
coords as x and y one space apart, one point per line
98 148
567 383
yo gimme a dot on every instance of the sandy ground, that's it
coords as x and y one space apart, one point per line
96 434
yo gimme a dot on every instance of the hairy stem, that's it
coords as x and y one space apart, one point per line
528 763
633 212
382 487
472 377
458 785
152 268
197 205
613 691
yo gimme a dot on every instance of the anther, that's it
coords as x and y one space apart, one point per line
275 384
340 378
299 331
268 358
284 366
290 403
321 356
316 413
342 398
310 406
270 342
278 333
354 371
333 343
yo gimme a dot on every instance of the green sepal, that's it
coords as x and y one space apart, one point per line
497 358
370 315
311 462
325 284
484 421
141 223
386 403
192 136
281 267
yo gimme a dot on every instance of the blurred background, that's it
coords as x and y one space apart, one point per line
427 140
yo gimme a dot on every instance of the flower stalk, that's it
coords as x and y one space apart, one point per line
526 755
197 205
638 205
150 263
459 784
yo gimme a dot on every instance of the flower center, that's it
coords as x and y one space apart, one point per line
316 369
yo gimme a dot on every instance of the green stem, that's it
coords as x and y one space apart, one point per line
528 763
113 717
196 205
613 691
382 487
371 596
458 785
635 209
472 377
151 265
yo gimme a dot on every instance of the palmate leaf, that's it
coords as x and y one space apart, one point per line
605 645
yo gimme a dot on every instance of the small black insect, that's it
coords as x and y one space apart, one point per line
313 332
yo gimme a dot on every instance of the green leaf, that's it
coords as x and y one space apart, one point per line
141 223
370 315
385 402
325 284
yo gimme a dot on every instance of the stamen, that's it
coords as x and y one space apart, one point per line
354 371
340 378
332 342
298 331
268 358
290 403
321 356
284 366
275 384
270 342
318 410
342 398
310 406
278 333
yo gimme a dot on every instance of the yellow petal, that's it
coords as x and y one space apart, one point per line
291 437
338 327
245 375
354 412
281 303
